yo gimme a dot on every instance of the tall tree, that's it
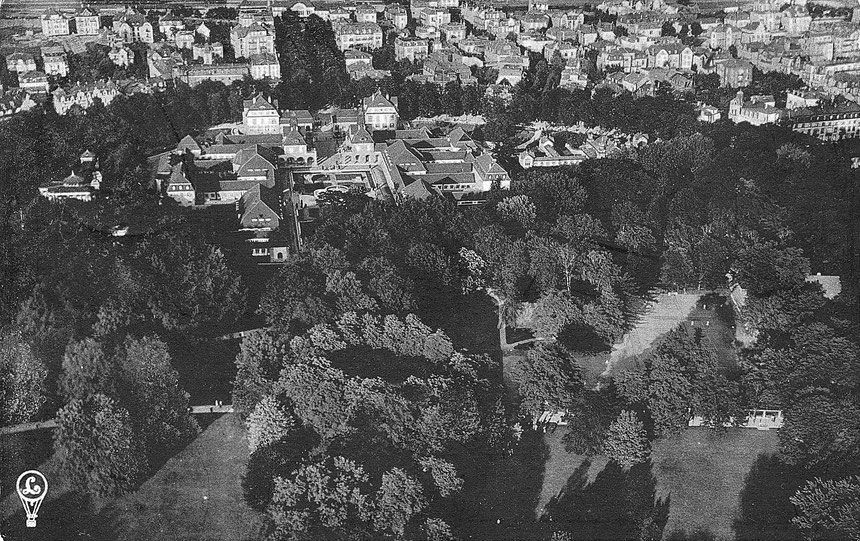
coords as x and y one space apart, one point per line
22 380
96 446
550 380
829 509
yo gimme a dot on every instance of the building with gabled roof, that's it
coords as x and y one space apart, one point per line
380 112
260 116
87 22
178 187
265 65
84 95
54 23
253 39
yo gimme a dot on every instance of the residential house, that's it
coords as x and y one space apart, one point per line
545 154
566 50
207 52
252 39
224 73
365 14
795 20
84 95
708 113
56 64
21 63
357 35
297 153
453 33
800 99
769 20
87 22
121 56
503 52
35 82
260 116
169 25
738 19
758 110
411 49
265 65
572 77
15 101
734 73
380 112
827 124
587 35
353 57
184 39
444 66
133 27
723 36
754 32
473 46
560 34
178 187
338 14
397 14
54 23
434 16
260 208
670 55
534 21
203 31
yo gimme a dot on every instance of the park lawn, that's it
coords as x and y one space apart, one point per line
169 505
197 494
703 471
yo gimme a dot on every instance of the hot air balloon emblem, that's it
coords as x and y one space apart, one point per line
32 487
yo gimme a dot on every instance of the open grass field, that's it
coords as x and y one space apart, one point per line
195 495
709 479
703 473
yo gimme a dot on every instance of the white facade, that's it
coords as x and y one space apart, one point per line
54 24
259 116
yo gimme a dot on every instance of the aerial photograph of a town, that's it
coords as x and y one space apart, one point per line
431 270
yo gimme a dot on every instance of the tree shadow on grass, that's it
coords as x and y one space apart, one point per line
765 511
501 494
619 504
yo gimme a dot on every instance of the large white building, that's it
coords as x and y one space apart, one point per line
380 112
758 110
260 116
87 22
54 23
265 65
252 39
358 35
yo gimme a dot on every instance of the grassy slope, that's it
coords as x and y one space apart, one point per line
703 473
171 504
168 506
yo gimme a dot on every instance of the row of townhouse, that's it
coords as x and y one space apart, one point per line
83 95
